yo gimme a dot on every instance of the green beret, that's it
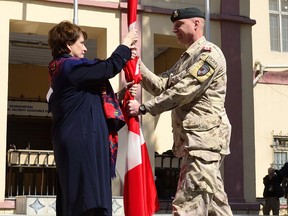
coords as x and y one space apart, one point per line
186 13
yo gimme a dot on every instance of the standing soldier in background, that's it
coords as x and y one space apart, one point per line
272 192
194 89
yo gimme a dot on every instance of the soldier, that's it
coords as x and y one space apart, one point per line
272 192
194 89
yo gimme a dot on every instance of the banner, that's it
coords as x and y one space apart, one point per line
28 108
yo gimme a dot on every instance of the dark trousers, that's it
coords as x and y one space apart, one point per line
271 203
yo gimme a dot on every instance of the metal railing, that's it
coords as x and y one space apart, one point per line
30 172
167 168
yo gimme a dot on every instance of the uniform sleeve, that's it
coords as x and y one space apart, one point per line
87 71
195 81
152 83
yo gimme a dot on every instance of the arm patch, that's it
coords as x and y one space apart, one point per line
203 69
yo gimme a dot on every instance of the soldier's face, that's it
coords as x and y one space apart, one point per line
186 31
271 171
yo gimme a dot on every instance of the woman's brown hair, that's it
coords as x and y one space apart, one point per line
62 34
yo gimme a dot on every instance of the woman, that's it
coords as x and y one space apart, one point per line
86 118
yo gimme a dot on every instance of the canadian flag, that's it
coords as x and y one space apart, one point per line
133 164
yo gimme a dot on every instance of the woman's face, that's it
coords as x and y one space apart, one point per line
78 49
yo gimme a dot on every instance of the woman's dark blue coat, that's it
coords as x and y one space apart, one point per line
80 133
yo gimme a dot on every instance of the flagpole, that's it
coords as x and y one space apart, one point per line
207 18
139 192
75 18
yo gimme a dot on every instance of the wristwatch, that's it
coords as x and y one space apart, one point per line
142 109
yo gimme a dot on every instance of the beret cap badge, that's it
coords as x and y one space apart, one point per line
186 13
175 13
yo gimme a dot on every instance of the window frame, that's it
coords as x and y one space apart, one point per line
279 14
280 147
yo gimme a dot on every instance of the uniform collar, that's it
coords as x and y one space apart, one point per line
195 45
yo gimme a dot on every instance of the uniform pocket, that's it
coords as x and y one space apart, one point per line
203 123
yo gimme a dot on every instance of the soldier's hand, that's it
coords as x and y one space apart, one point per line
132 108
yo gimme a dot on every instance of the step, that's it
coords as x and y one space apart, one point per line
46 205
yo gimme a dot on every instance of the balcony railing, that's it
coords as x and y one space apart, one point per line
30 172
167 168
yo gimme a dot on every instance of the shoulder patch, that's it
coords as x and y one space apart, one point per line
203 69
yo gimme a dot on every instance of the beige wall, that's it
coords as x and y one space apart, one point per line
261 36
175 4
4 38
270 102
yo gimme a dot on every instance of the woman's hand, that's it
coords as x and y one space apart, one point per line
131 38
132 88
134 51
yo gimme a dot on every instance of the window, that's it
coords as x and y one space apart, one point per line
278 15
280 147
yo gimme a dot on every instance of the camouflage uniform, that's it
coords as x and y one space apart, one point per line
195 89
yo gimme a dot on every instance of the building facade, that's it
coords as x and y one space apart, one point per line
24 80
270 53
